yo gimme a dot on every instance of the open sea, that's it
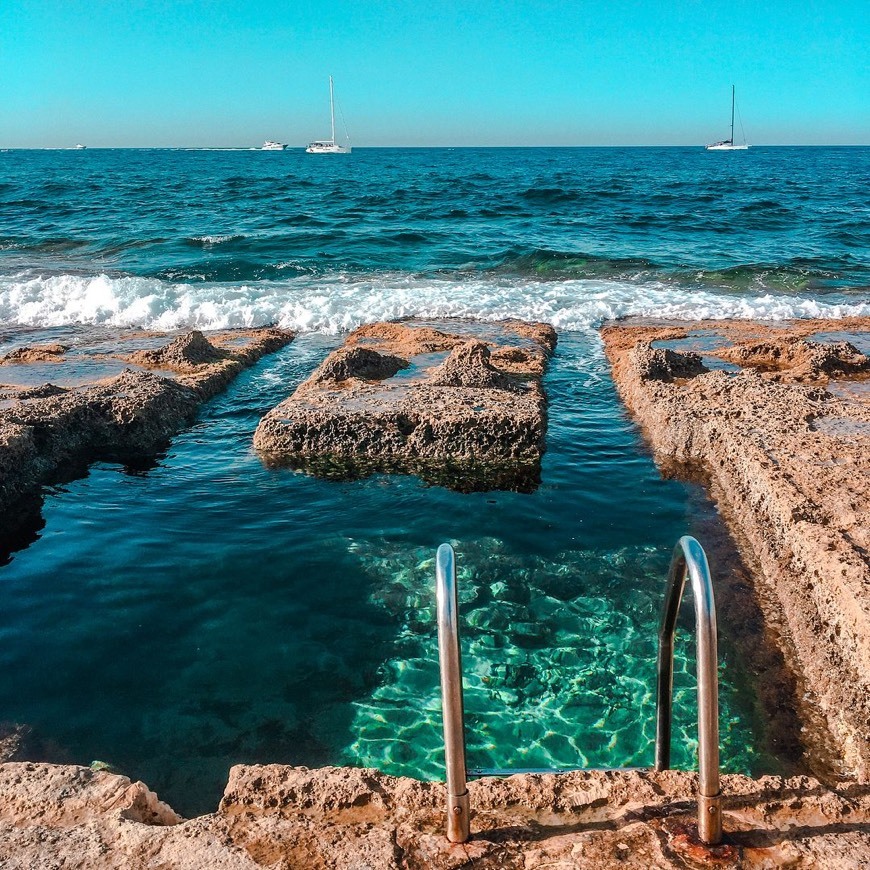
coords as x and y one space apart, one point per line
185 612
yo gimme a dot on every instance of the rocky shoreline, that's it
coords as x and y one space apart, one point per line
778 419
775 418
273 816
61 407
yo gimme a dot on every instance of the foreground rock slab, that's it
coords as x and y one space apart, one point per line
353 819
778 419
458 403
63 407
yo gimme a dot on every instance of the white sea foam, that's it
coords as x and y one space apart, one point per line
211 241
336 304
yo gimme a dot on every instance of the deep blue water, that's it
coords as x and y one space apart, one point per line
218 238
178 617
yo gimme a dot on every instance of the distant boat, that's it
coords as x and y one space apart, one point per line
81 147
269 145
728 144
330 146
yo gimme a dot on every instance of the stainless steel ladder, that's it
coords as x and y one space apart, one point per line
689 560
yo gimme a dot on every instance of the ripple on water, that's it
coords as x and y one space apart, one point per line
558 659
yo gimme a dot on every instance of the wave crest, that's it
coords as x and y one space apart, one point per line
341 302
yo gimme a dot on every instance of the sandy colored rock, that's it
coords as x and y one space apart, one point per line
798 358
185 353
37 353
464 408
47 428
785 442
355 819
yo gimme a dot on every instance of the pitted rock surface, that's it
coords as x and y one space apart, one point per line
48 428
469 366
785 442
292 818
358 362
181 354
662 364
799 358
37 353
468 409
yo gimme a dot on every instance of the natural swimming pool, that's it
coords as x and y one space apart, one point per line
205 611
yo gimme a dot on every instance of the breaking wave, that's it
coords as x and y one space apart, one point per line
341 302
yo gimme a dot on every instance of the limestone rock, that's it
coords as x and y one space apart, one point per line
358 362
469 366
786 444
460 414
50 427
354 819
662 364
181 354
37 353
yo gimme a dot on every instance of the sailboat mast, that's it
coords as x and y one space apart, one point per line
732 111
332 113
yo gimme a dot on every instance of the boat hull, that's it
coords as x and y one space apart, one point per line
726 147
328 149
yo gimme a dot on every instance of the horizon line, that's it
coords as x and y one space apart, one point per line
409 147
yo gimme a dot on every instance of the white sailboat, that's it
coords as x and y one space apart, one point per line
728 144
329 146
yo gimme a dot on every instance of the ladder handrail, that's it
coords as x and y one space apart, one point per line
689 559
450 657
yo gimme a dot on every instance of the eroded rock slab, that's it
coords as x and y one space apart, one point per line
457 403
61 407
783 433
354 819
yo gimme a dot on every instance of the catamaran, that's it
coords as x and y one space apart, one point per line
728 144
329 146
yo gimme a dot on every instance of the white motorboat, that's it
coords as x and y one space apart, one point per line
728 144
330 146
269 145
81 147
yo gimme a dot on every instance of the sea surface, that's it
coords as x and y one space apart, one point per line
186 612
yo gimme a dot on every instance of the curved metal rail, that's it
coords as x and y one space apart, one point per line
689 559
449 655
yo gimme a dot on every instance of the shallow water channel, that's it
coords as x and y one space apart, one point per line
176 619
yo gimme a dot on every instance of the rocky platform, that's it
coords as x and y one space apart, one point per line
351 819
63 406
463 407
777 417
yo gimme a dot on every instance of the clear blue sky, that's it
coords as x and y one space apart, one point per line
605 72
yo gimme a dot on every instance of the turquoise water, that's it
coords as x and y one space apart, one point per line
195 610
208 611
